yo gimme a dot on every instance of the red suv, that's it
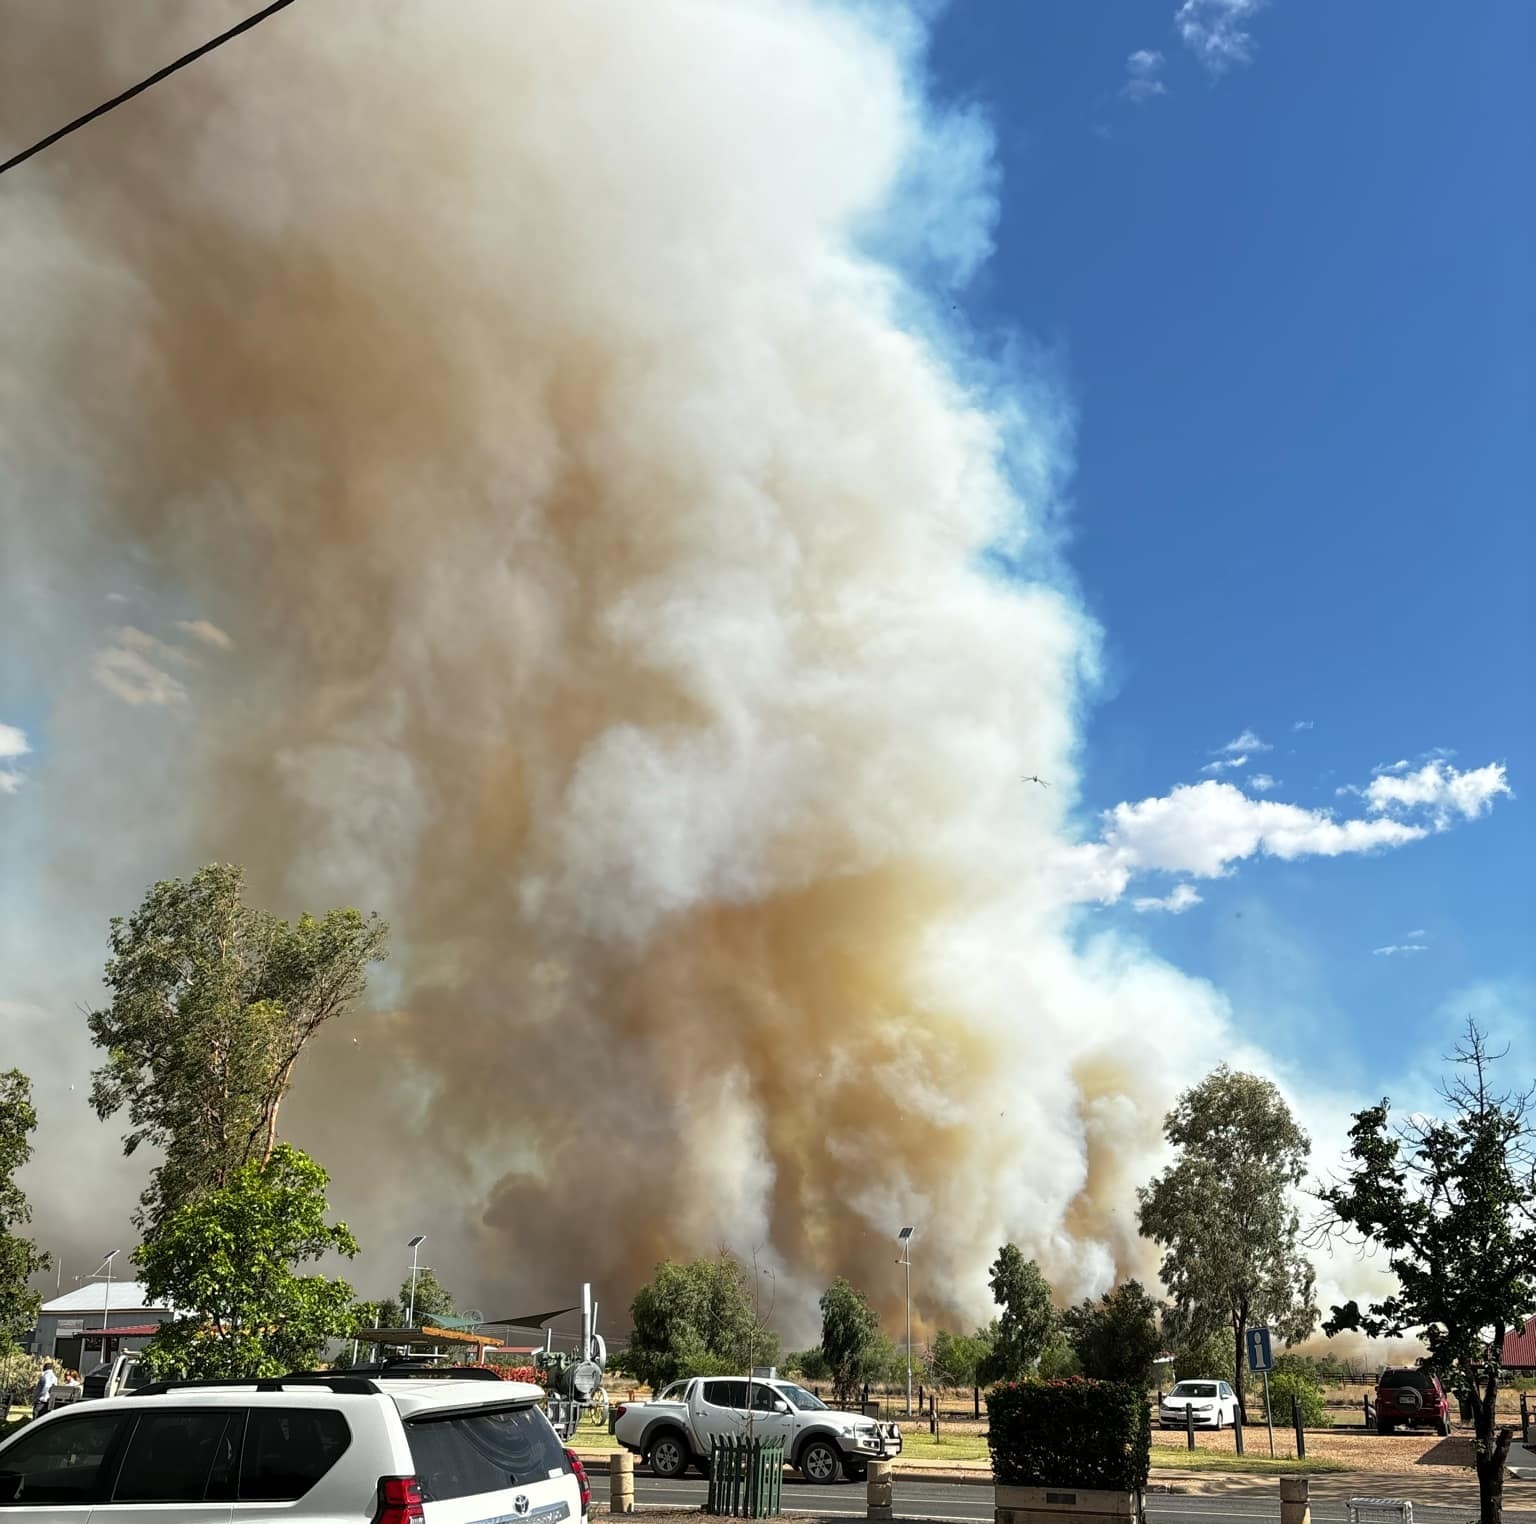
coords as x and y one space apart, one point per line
1413 1399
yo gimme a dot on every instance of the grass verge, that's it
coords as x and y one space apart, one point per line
950 1447
1171 1458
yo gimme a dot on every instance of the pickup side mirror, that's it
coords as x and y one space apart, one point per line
779 1405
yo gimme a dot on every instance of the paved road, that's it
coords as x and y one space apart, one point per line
969 1504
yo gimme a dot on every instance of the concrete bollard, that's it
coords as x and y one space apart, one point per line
878 1490
621 1482
1294 1505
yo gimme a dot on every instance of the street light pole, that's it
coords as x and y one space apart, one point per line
415 1247
106 1304
905 1239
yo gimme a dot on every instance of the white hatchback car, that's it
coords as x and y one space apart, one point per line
314 1449
1209 1404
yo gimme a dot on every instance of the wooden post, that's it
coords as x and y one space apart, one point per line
878 1498
1237 1432
976 1400
1294 1505
1301 1433
1189 1424
1365 1403
1525 1420
621 1482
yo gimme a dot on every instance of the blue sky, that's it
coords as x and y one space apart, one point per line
1290 295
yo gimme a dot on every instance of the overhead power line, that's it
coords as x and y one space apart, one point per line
143 85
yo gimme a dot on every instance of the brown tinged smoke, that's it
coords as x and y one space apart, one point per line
598 536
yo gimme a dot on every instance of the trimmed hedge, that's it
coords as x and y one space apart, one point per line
1077 1433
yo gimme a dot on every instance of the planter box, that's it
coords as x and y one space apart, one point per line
1054 1505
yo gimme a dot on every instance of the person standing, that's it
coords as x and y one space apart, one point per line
42 1393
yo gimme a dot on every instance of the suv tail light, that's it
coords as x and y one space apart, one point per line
620 1411
580 1473
399 1501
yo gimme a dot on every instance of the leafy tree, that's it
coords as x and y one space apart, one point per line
809 1364
697 1319
1116 1338
1029 1318
20 1258
226 1260
1058 1360
1223 1212
1453 1203
956 1357
432 1299
850 1339
212 1004
1197 1351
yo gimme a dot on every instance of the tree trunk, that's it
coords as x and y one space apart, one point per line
1492 1457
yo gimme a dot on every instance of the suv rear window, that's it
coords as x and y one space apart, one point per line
488 1450
183 1456
288 1450
1416 1379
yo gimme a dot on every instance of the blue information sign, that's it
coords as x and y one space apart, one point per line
1260 1360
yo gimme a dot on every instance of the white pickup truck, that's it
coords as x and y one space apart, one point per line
675 1430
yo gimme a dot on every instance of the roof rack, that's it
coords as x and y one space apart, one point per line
413 1369
360 1381
343 1385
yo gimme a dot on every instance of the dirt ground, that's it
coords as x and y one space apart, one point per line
1394 1454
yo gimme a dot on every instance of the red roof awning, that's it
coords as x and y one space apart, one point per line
1520 1349
137 1331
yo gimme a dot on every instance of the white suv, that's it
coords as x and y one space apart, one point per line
316 1449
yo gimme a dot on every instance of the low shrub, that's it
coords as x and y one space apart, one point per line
1288 1388
528 1373
1076 1433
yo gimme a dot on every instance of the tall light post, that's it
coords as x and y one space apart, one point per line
106 1303
904 1238
415 1247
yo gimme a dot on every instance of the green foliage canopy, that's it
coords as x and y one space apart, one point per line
1028 1318
212 1004
1224 1213
1452 1201
227 1259
20 1258
697 1319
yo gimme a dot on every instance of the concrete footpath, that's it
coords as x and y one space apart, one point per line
1440 1486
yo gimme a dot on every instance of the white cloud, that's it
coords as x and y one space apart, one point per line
1247 742
1400 766
132 677
1440 790
1223 763
134 667
1261 783
1413 936
210 634
1302 724
1142 69
1398 948
1182 897
1203 828
13 744
1215 31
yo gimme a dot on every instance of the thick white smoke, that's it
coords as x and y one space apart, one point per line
472 462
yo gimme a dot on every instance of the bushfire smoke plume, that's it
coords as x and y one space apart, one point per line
496 464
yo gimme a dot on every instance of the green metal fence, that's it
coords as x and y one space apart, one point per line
746 1477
